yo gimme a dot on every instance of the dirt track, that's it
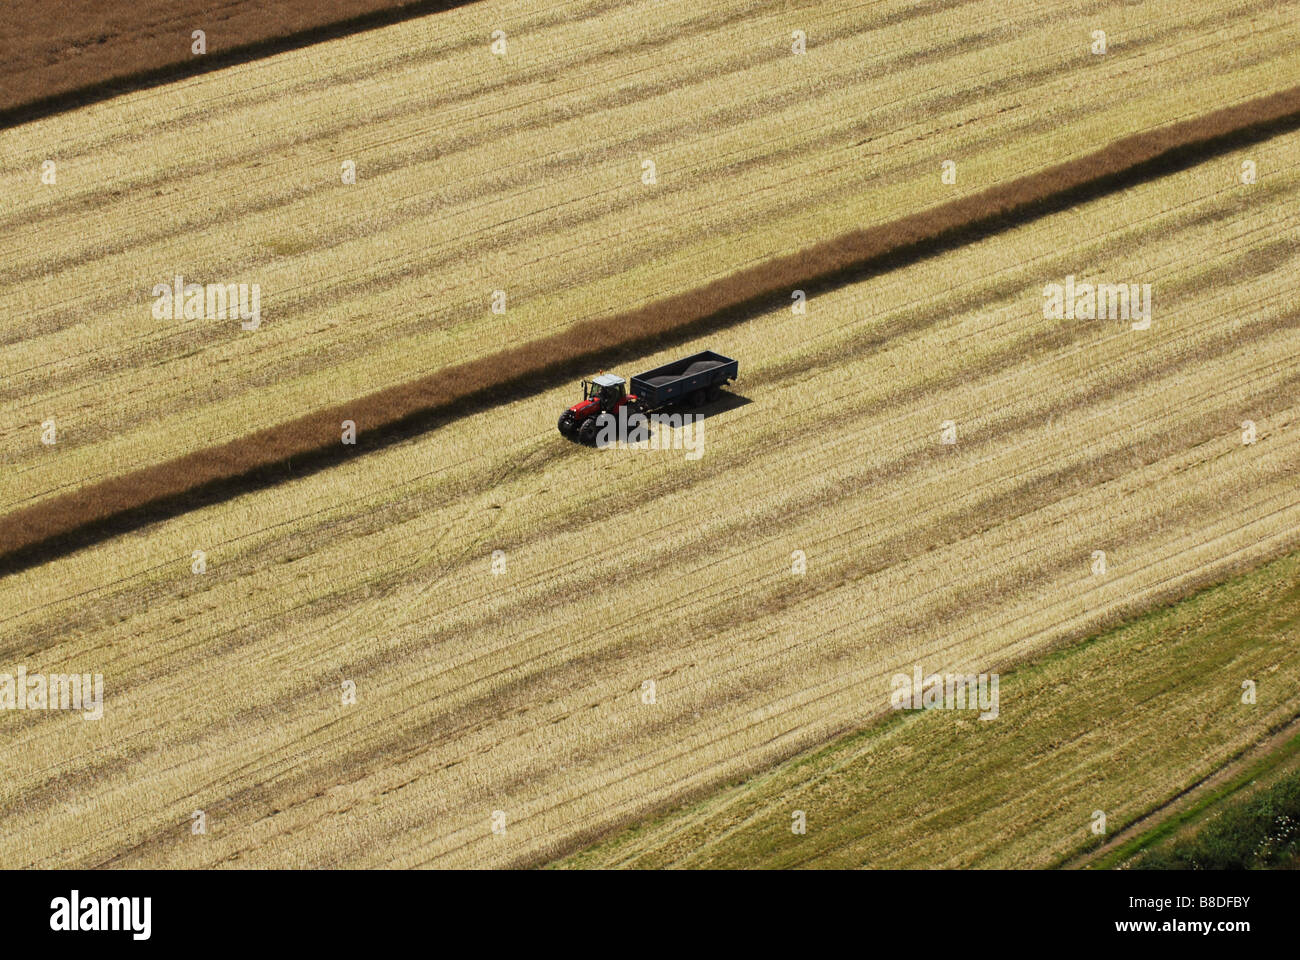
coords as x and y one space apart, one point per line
60 55
29 535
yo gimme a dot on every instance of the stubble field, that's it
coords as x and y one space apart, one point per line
522 691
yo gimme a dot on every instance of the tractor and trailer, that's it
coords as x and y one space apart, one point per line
689 381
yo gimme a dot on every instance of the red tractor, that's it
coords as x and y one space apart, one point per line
690 381
603 394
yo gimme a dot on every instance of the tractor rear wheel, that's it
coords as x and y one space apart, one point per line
587 432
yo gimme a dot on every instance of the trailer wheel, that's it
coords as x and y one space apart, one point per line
697 398
587 432
714 393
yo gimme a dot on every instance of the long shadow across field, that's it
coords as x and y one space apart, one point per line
312 442
156 52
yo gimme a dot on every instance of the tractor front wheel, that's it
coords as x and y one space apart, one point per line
566 423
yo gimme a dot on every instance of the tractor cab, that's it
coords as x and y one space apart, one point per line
600 395
606 389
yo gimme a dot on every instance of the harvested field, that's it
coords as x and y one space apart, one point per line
1120 723
529 187
522 690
